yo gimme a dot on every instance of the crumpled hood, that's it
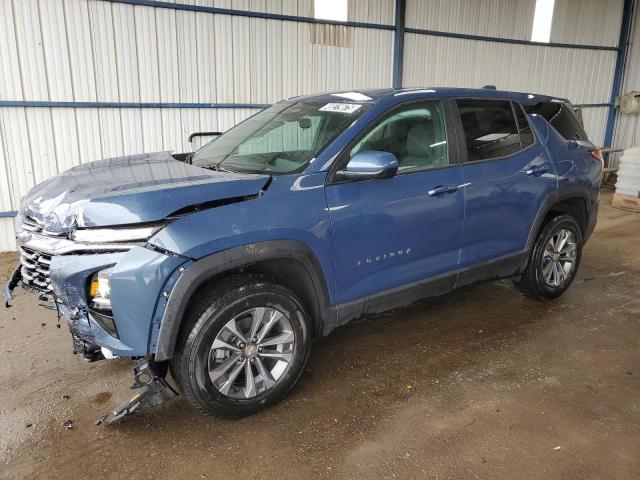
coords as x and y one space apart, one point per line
132 189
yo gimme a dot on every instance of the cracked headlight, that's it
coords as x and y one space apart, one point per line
115 234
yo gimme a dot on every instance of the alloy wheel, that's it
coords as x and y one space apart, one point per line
559 258
251 353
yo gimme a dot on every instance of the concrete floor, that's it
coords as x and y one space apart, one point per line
481 383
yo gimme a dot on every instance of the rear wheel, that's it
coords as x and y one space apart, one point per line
554 259
243 346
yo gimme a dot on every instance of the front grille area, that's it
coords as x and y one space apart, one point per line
35 270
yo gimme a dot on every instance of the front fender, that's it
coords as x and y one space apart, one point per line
208 267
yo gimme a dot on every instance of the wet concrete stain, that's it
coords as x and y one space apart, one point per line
480 383
101 398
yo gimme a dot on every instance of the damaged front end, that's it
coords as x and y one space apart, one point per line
80 280
83 242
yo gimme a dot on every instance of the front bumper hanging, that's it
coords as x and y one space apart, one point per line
149 377
15 278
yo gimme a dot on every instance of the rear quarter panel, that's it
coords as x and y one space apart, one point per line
579 174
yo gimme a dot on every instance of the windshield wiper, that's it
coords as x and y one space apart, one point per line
217 168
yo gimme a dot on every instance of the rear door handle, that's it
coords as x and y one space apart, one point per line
442 189
537 170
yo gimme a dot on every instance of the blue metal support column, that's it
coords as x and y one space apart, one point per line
398 43
623 48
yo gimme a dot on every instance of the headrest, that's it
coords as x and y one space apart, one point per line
419 139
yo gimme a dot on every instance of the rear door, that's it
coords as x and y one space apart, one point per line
507 174
394 232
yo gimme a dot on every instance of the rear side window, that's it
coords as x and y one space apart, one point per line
561 117
490 129
526 135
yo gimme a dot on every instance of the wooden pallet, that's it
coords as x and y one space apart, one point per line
626 202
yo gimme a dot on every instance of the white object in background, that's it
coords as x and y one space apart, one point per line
628 182
630 102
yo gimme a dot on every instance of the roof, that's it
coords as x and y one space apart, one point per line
374 95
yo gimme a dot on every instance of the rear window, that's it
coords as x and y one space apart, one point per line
491 129
561 117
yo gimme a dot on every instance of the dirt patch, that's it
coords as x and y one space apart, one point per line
101 398
8 263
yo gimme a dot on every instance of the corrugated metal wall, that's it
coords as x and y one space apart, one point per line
627 132
101 51
109 51
582 75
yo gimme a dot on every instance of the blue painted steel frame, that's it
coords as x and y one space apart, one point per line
379 26
623 47
484 38
247 13
398 44
398 27
44 103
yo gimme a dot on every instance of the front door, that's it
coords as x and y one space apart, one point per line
398 231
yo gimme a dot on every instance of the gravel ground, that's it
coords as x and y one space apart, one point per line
480 383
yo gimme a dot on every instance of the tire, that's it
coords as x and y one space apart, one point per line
225 313
541 280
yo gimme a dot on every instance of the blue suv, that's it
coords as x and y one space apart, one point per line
223 265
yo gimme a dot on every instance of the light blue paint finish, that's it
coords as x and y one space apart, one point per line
132 189
350 228
390 232
293 208
137 284
502 201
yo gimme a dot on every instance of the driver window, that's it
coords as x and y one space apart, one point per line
415 134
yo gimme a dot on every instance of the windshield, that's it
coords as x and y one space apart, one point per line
280 139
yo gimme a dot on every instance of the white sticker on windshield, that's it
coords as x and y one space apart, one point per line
340 107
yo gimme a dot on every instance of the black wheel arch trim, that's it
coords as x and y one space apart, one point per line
242 256
567 193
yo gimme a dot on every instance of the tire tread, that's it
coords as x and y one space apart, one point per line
529 283
212 298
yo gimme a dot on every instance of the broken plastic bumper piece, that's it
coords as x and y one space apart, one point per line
149 378
15 278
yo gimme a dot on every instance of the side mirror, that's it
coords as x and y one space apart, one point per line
369 165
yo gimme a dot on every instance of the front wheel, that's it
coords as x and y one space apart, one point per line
243 346
554 259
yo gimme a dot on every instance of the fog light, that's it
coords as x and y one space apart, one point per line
106 322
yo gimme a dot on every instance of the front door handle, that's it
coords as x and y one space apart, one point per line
442 189
537 170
